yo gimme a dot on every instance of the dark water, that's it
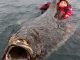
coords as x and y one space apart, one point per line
14 12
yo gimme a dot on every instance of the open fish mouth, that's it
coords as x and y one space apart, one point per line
18 50
17 53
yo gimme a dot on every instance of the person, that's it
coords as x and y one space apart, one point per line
64 10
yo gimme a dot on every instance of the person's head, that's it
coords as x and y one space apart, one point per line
63 3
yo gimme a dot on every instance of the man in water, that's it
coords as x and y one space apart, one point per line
64 9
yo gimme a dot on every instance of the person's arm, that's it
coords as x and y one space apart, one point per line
45 6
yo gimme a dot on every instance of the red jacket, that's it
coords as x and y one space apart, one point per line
66 11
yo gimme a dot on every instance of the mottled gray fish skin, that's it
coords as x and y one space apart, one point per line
46 34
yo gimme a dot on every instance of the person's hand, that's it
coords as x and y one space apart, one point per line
66 16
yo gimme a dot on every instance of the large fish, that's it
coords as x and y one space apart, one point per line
38 39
